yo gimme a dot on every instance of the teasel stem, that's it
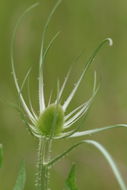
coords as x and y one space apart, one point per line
43 170
46 160
38 177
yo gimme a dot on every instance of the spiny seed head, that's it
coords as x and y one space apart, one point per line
51 121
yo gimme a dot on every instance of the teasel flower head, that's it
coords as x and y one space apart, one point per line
53 121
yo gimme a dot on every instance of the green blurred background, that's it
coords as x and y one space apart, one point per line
83 24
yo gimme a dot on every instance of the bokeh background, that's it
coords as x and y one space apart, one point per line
83 24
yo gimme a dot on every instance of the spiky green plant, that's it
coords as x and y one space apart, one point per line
52 122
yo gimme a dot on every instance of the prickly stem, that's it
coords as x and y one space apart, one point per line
46 160
39 165
43 170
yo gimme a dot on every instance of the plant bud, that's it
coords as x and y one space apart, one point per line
51 121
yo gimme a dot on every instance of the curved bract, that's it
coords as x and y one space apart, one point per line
104 152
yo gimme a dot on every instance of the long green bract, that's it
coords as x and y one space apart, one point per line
31 117
87 65
25 78
92 57
43 55
23 117
106 155
93 131
45 29
30 102
84 109
50 44
89 102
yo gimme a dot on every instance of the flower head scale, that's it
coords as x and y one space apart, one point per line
52 120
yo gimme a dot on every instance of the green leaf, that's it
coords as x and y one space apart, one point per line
21 179
1 155
71 180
